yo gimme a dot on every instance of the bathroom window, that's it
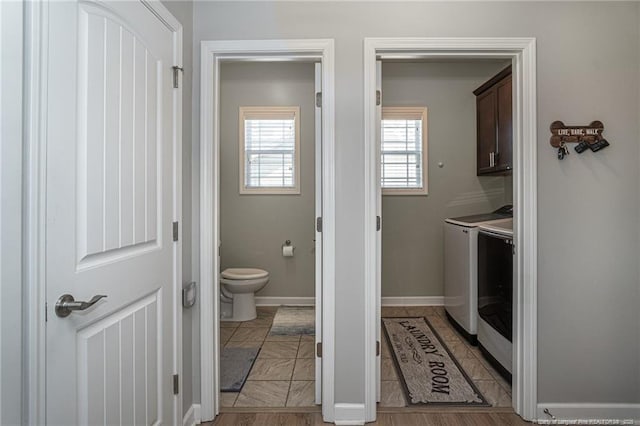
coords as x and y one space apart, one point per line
404 151
269 150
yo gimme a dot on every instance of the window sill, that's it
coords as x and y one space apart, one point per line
270 191
405 192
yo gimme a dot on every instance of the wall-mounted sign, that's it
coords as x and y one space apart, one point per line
575 134
587 137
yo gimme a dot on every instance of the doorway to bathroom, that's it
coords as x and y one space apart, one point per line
267 226
268 234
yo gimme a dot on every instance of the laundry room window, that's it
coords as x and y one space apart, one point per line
269 150
404 151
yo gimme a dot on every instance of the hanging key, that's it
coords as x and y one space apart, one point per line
582 147
562 151
598 145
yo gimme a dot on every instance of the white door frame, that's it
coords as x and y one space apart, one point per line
212 53
522 52
34 205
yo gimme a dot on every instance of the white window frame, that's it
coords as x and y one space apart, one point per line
269 113
409 113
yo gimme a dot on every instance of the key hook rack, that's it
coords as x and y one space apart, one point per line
586 137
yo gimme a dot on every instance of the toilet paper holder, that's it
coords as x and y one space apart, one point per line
287 243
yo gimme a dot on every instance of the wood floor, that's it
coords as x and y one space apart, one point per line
384 419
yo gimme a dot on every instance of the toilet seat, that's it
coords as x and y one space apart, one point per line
244 274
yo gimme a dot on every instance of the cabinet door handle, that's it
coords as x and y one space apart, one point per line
497 135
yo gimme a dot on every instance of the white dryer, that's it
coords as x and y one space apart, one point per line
495 294
461 270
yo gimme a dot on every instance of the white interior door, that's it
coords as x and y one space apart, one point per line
318 241
379 222
109 213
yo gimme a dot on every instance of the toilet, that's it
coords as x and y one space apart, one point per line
237 292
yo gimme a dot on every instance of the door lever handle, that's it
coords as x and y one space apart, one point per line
67 304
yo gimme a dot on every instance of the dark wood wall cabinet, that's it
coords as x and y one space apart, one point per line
494 127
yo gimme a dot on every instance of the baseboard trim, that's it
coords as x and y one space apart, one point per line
386 301
291 301
413 301
192 417
349 414
589 412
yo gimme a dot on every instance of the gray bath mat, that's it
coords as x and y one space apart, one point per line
292 320
428 372
235 364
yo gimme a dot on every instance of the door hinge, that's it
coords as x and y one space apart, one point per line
176 79
176 233
46 314
319 224
378 97
319 349
377 347
176 384
378 223
319 99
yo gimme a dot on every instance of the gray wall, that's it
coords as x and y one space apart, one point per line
412 235
588 239
254 227
183 12
11 213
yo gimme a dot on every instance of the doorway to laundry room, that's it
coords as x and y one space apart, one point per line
438 116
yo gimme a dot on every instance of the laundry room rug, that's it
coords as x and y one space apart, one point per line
428 372
292 320
235 365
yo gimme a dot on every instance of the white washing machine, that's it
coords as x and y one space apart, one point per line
461 269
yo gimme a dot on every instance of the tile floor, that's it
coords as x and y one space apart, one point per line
284 373
494 388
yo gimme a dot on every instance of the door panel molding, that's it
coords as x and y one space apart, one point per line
135 329
114 222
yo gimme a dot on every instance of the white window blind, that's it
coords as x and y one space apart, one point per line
403 150
269 149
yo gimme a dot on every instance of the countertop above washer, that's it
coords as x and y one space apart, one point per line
475 220
502 227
